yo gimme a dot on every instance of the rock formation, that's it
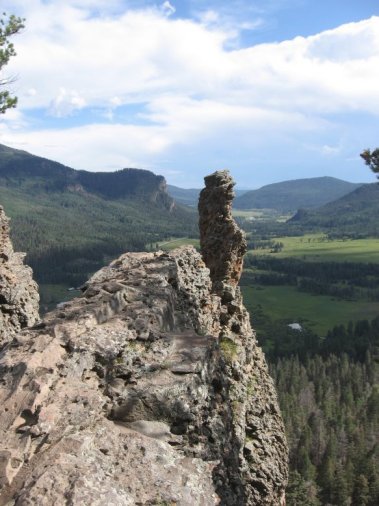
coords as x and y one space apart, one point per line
148 389
19 297
222 243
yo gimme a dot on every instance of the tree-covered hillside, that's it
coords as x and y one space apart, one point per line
289 196
71 223
352 214
330 406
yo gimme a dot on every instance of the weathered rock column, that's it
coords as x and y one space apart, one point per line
19 299
256 448
222 242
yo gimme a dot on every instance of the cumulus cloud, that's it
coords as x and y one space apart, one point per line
65 103
142 54
79 56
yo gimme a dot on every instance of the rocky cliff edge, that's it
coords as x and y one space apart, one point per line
19 299
149 389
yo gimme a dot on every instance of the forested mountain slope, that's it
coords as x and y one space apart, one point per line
330 404
356 213
299 193
71 222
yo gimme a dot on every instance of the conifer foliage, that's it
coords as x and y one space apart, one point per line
371 159
330 406
9 26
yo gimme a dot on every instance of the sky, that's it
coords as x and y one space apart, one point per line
270 89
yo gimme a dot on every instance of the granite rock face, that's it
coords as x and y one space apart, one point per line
148 389
19 299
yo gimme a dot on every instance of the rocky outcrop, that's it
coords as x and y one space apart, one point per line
222 243
19 299
148 389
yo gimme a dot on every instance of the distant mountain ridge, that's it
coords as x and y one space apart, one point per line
356 213
288 196
16 165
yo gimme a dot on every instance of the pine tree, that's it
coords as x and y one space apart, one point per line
361 493
300 492
9 26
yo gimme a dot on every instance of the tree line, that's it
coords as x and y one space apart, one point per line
346 280
330 407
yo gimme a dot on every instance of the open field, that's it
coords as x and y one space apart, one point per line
311 247
176 243
260 214
321 312
249 213
316 247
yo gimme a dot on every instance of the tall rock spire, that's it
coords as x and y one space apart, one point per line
222 242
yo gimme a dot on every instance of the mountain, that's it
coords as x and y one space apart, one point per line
190 196
289 196
355 213
43 175
71 222
185 196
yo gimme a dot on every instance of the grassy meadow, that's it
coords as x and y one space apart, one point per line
177 243
317 247
319 312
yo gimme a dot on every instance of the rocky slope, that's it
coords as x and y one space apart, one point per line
148 389
18 292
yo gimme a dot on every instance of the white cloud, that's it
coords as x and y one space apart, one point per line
141 55
330 150
31 92
77 55
65 103
167 8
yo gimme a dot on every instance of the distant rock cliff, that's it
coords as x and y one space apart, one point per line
18 292
148 389
47 176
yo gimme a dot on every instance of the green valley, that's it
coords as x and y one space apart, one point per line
323 248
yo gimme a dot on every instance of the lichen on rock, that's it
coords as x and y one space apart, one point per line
148 389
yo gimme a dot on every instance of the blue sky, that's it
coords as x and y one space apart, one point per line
271 89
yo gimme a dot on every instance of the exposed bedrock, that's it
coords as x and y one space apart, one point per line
19 299
148 389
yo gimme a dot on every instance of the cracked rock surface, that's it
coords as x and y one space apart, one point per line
149 389
19 299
